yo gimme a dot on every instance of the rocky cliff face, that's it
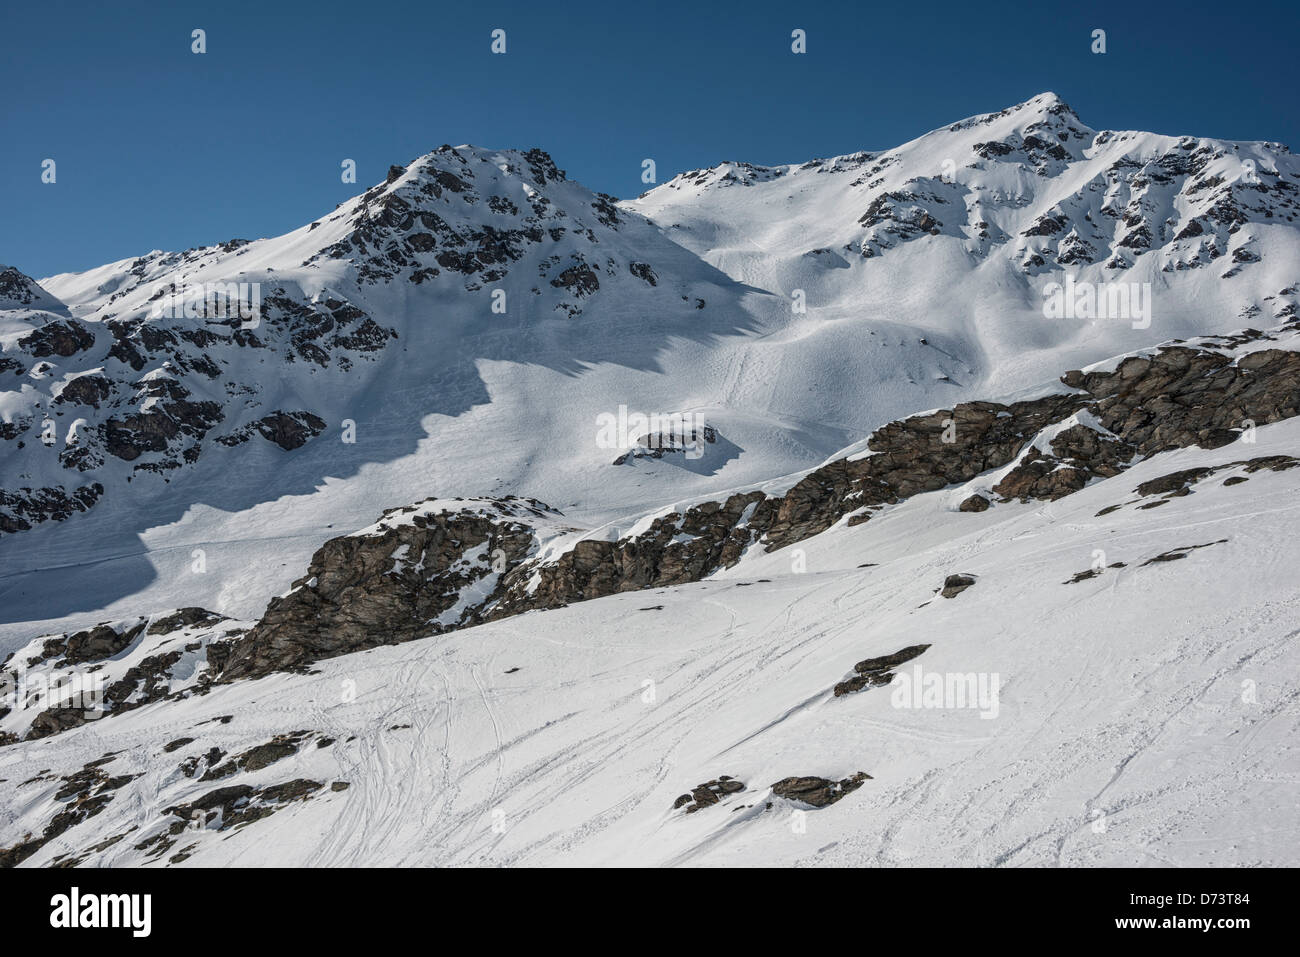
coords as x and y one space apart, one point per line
420 570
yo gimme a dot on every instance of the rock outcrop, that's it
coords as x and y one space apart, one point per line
709 793
954 585
58 682
818 792
875 672
419 571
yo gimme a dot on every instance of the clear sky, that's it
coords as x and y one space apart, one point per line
160 148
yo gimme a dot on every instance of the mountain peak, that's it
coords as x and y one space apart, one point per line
1047 100
1045 111
1052 105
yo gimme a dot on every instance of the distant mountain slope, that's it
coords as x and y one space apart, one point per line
924 268
1031 185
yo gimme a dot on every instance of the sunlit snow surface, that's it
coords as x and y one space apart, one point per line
1145 716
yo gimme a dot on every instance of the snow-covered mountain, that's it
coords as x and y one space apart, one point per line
198 447
954 237
793 309
467 255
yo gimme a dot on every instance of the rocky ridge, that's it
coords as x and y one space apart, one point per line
1178 395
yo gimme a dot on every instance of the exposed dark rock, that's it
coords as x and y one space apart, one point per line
709 793
290 430
147 681
56 720
183 618
858 682
62 337
1173 482
684 439
93 644
191 766
818 792
20 289
954 585
90 389
886 662
1179 484
160 429
1091 573
233 806
644 272
83 794
358 600
875 672
1174 554
22 508
261 756
579 280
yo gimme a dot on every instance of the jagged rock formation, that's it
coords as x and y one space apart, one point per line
421 570
954 585
689 441
709 793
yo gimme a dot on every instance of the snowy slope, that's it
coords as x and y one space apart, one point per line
1143 715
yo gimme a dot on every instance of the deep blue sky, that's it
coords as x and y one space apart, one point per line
160 148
